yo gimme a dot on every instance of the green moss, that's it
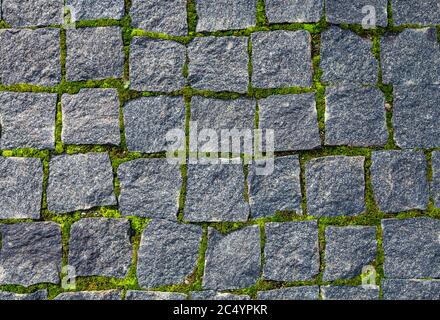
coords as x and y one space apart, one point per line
261 14
192 16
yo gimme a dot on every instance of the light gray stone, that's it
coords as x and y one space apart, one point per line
96 9
435 187
232 260
291 251
80 182
335 186
396 289
90 295
213 295
399 180
150 188
30 253
426 12
25 13
351 11
154 295
281 59
293 293
350 293
298 11
168 253
37 295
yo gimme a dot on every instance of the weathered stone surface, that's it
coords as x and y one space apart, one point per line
293 119
275 191
426 12
350 293
150 188
168 253
399 180
348 250
213 295
100 247
291 251
347 58
283 11
37 295
219 64
160 16
91 117
335 186
411 248
80 182
24 13
355 116
416 116
96 9
293 293
435 187
215 193
411 57
94 53
21 188
396 289
156 65
90 295
281 59
214 15
233 260
154 295
30 56
355 11
30 253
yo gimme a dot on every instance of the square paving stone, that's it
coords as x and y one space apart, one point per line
94 54
213 295
424 12
350 293
293 293
150 188
156 65
30 57
281 59
91 117
96 9
351 11
291 251
348 250
80 182
435 188
276 191
416 116
347 58
100 247
335 186
37 295
411 57
21 188
168 253
294 121
160 16
397 289
284 11
215 193
219 64
147 121
154 295
411 248
90 295
30 253
27 120
356 117
232 260
25 13
399 180
215 15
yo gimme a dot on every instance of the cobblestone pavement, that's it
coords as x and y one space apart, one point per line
90 208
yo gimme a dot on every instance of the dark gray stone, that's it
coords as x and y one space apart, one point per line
90 295
219 64
30 253
96 9
416 116
25 13
348 250
37 295
276 191
343 11
293 293
213 295
281 59
411 248
21 188
335 186
299 11
150 188
347 58
426 12
355 116
100 247
435 188
156 65
94 54
350 293
27 120
214 15
154 295
147 121
168 253
80 182
160 16
91 117
30 56
291 251
411 57
293 119
232 260
396 289
399 180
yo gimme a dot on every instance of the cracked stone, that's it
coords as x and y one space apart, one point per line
293 293
297 11
90 295
154 295
35 13
356 11
96 9
213 295
37 295
397 289
80 182
350 292
426 12
435 188
168 253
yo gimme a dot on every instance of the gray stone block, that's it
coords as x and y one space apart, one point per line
213 295
24 13
297 11
353 12
154 295
292 293
37 295
435 187
397 289
426 12
96 9
90 295
350 293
